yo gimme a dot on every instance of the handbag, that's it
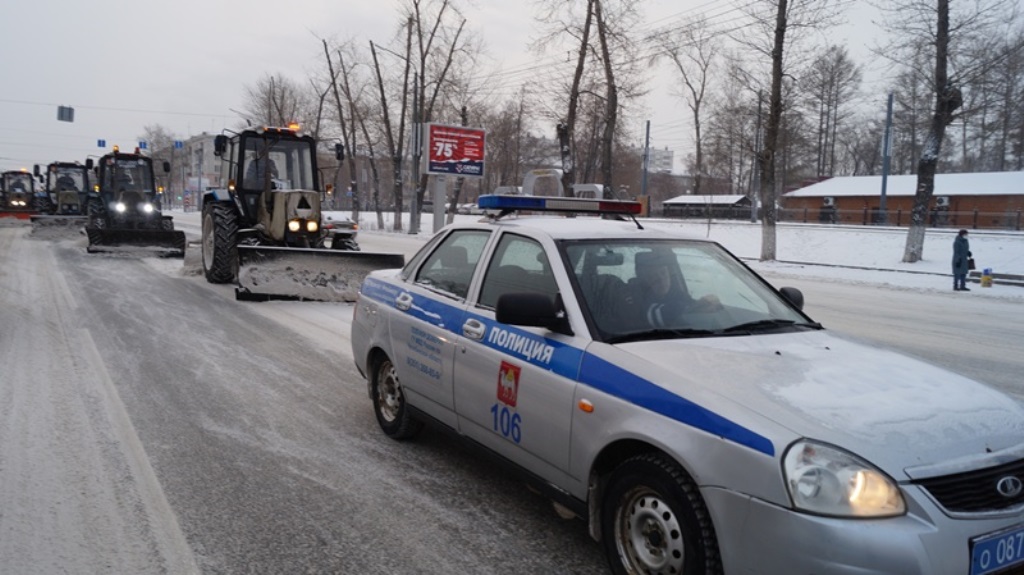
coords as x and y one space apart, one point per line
970 263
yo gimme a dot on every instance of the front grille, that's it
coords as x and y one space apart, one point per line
976 491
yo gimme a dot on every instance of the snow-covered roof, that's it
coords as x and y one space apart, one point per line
691 200
967 184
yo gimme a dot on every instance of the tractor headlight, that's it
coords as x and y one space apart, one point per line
826 480
147 208
119 207
312 226
294 226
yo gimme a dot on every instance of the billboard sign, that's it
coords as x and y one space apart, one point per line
455 150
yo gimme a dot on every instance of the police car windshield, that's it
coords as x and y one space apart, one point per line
652 289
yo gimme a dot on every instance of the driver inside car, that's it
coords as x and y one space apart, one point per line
658 295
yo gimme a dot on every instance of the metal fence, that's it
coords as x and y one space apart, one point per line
937 218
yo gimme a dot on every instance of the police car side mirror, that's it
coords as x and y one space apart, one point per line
794 296
531 309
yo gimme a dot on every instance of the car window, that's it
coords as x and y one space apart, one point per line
519 265
632 286
450 267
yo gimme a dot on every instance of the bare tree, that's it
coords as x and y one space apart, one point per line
277 101
606 67
394 134
792 17
831 82
693 49
946 36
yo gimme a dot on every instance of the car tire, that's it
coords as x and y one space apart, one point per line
653 520
219 242
389 404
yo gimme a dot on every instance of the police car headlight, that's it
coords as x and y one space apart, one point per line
119 207
147 208
294 226
312 226
826 480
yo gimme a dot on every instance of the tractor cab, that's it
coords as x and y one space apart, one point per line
67 185
18 190
274 175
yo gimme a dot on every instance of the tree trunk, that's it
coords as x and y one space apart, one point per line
766 158
947 100
568 155
611 104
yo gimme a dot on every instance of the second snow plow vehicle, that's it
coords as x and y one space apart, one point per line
124 209
66 189
264 230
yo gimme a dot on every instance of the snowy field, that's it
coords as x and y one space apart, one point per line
850 254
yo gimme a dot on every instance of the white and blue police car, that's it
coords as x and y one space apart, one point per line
689 412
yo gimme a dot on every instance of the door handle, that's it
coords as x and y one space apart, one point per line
403 301
473 329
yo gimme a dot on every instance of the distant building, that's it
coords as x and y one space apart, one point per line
661 161
722 206
969 200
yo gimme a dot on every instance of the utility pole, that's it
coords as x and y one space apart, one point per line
414 212
647 158
883 218
756 188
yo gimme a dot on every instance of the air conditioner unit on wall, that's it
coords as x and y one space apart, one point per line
828 201
942 201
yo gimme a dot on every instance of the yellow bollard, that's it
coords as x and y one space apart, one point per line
986 277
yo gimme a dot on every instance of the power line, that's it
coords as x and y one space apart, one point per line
113 109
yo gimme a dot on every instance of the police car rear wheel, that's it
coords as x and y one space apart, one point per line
654 521
389 403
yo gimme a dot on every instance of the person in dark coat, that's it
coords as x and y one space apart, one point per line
961 253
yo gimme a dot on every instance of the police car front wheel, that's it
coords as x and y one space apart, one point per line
654 520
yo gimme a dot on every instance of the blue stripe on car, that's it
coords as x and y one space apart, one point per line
587 368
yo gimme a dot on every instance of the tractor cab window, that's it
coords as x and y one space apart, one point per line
128 175
278 164
67 179
19 182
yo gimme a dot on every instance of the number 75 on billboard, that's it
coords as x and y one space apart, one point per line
455 150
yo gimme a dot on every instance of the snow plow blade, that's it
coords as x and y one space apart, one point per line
306 274
54 221
163 243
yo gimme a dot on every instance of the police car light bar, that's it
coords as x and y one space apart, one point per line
546 204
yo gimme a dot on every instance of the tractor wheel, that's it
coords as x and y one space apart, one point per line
167 224
43 205
219 245
97 214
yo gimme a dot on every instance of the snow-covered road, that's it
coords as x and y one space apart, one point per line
152 424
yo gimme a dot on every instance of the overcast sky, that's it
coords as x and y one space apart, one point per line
184 64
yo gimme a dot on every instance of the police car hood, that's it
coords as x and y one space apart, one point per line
898 413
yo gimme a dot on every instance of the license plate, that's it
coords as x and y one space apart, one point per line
995 551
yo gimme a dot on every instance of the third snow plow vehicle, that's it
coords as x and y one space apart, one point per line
124 209
17 194
66 188
264 230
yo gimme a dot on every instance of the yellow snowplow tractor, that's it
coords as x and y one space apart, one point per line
124 212
63 199
264 231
